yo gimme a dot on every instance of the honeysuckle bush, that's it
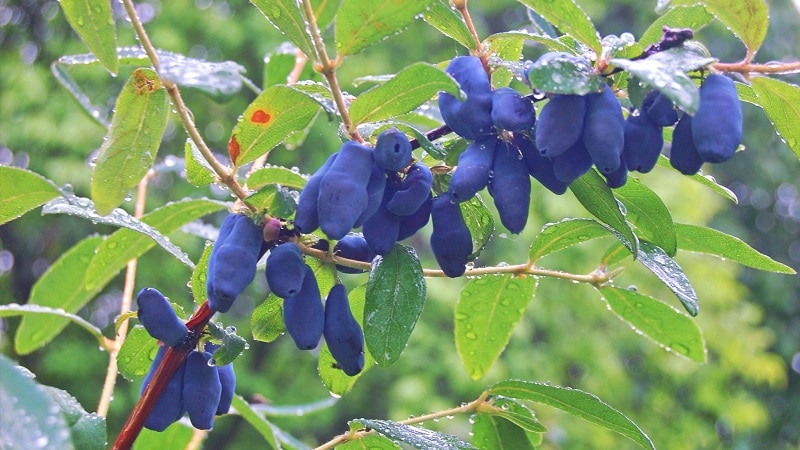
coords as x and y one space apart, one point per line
522 339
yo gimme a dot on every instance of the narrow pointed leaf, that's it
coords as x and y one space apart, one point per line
645 209
569 18
60 287
488 309
560 235
394 299
670 273
441 16
14 309
781 102
360 24
417 437
21 191
274 115
410 88
285 15
126 244
130 147
93 20
578 403
595 195
498 433
695 238
747 19
338 382
660 322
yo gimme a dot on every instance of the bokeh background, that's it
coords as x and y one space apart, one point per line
746 396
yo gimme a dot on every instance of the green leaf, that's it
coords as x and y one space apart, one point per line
449 22
595 195
60 287
747 19
21 191
94 22
13 309
705 180
394 299
370 442
198 172
564 234
645 209
130 147
513 411
136 354
660 322
285 15
670 273
693 17
276 175
563 73
417 437
337 382
232 345
694 238
360 24
410 88
274 199
578 403
126 244
257 421
488 309
480 223
176 437
493 432
551 44
569 18
28 416
273 116
667 79
781 102
267 320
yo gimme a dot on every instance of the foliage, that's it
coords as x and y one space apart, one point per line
572 252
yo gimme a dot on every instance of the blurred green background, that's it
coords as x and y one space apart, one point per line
746 396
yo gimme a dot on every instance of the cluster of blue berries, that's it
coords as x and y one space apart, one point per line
199 387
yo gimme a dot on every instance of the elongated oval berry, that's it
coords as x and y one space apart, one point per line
560 124
342 332
717 126
201 389
410 224
232 264
617 178
572 164
392 150
227 381
381 230
643 142
306 218
510 187
683 154
539 167
169 406
659 109
451 240
285 270
472 118
604 130
414 190
343 193
158 318
512 111
304 315
473 170
375 187
353 246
